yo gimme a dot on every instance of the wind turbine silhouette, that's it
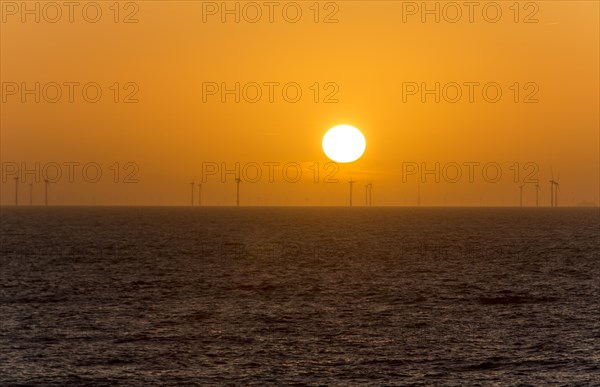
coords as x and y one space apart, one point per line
537 194
554 188
521 195
46 184
30 194
192 186
369 194
351 182
16 191
237 182
557 188
551 188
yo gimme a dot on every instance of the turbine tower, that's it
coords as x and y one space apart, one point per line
46 184
16 191
537 195
237 182
521 195
368 195
31 194
418 194
351 182
556 189
192 186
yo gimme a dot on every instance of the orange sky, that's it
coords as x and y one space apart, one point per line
368 54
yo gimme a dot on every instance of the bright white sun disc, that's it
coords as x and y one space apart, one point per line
344 144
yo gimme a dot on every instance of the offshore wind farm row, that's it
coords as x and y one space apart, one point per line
196 193
368 197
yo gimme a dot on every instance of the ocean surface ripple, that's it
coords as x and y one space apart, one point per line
317 296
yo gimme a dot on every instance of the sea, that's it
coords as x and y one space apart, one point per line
299 296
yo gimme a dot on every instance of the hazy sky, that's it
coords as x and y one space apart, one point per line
363 63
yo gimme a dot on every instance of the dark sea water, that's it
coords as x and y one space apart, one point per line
329 296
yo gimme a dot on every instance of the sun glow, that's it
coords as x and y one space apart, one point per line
344 144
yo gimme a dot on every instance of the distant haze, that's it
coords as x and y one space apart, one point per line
360 71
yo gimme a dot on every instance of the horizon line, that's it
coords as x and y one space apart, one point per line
286 206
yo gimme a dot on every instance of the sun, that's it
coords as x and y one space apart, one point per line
344 144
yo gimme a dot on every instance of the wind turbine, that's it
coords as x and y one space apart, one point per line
237 182
368 195
46 183
557 188
537 194
351 182
31 194
521 195
554 188
192 186
552 182
16 191
419 194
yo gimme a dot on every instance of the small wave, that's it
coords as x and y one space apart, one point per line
388 362
36 300
260 288
484 366
510 300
